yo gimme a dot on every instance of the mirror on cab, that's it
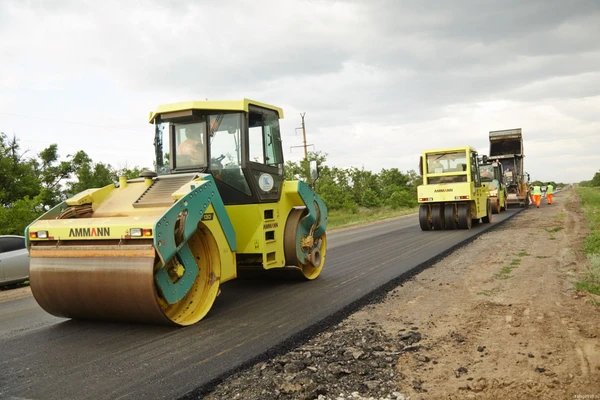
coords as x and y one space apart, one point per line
314 172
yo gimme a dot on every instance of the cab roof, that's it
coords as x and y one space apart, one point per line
217 105
451 149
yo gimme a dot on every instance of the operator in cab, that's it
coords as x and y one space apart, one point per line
191 150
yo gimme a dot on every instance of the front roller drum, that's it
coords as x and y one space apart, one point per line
114 283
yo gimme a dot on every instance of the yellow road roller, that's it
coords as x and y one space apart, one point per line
155 249
452 195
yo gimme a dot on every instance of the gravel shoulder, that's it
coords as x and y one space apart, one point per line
497 319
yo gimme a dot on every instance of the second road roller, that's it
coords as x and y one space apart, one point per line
155 249
452 195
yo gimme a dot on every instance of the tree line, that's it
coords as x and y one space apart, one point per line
595 182
353 188
32 184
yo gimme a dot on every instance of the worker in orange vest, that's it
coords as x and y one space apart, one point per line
537 195
530 194
549 192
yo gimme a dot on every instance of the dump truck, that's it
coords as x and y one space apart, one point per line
492 176
156 249
506 147
452 195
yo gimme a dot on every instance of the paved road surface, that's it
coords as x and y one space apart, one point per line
43 357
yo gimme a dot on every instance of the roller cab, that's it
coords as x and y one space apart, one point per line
492 176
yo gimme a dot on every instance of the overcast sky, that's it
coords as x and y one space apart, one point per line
379 80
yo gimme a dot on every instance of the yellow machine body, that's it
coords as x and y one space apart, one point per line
452 195
155 249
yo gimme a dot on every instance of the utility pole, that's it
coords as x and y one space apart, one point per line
304 135
303 127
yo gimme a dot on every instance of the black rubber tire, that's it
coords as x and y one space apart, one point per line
425 217
488 214
450 216
437 217
464 216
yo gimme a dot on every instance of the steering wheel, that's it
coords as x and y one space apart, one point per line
215 163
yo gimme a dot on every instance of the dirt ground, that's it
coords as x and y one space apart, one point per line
497 319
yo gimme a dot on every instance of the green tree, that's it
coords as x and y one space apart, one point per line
14 220
596 179
52 172
18 177
301 170
89 174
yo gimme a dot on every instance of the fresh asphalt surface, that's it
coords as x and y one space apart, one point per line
43 357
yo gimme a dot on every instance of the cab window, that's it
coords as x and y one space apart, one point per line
264 142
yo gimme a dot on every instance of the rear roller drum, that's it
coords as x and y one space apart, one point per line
425 217
495 206
437 216
464 216
297 241
450 216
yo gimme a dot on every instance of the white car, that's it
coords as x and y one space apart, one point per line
14 260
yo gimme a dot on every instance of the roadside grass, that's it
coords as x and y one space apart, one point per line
504 273
489 292
553 230
590 202
559 217
343 218
590 282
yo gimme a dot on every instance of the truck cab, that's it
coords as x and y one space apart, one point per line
506 147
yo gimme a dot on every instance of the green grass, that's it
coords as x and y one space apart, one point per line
555 229
590 202
516 262
559 217
504 273
588 287
542 256
489 292
523 253
343 218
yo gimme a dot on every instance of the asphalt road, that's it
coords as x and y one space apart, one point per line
43 357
